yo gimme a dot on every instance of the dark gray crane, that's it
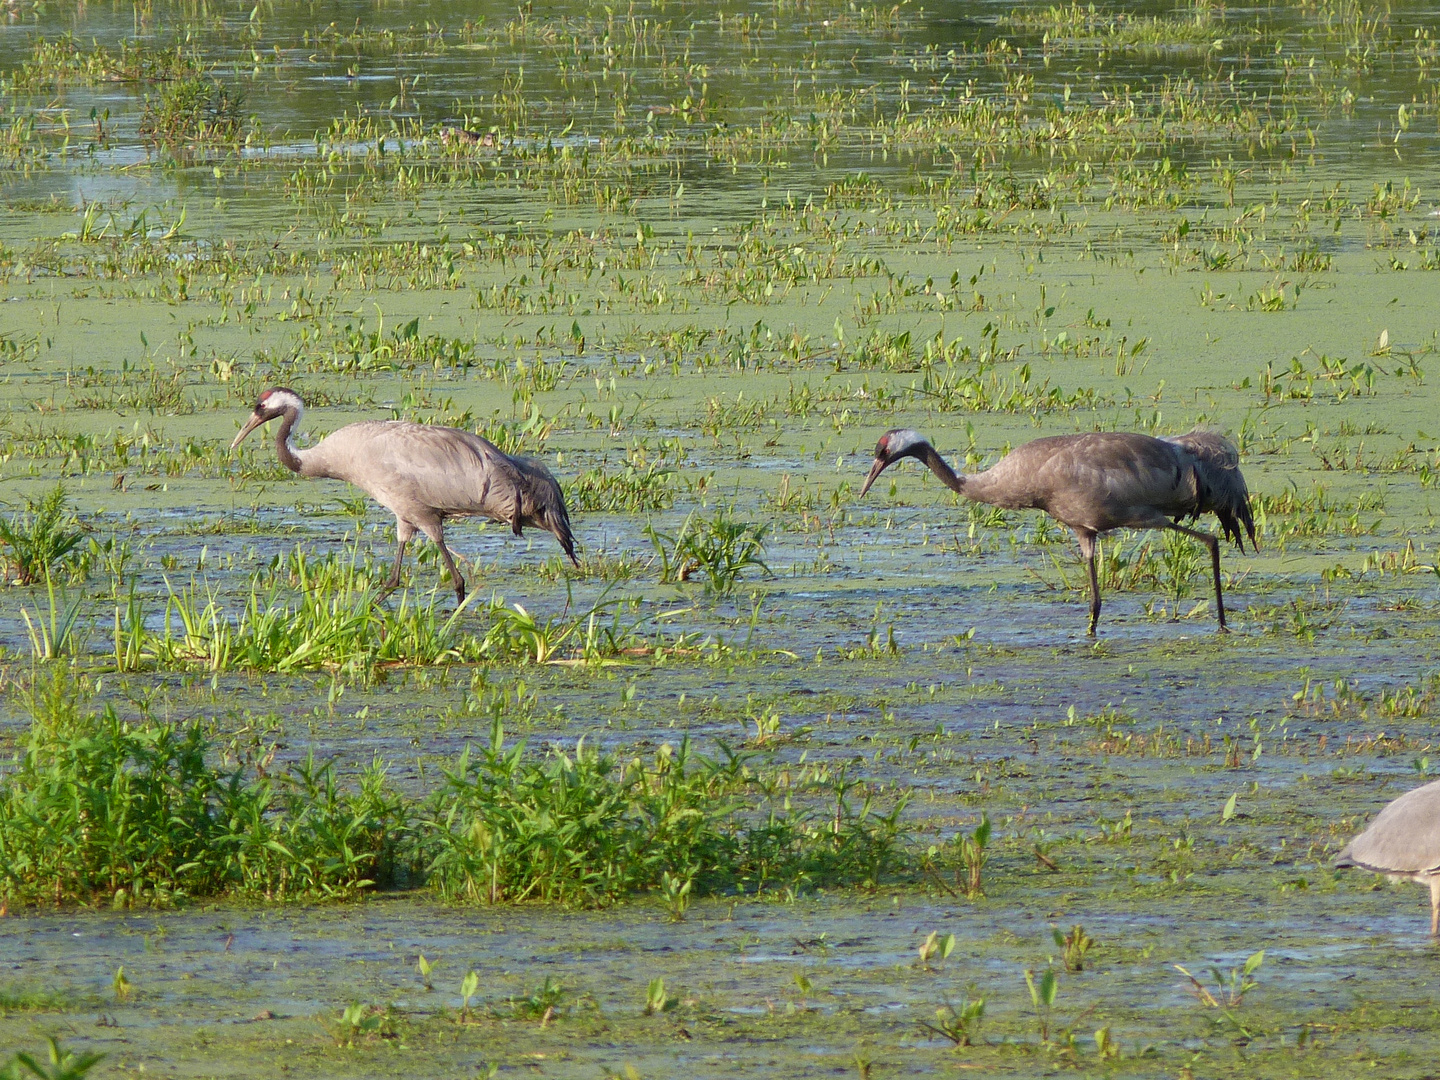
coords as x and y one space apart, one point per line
1403 843
424 474
1102 481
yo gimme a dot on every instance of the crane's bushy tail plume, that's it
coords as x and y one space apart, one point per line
543 504
1219 487
560 526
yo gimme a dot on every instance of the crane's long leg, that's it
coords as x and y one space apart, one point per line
1435 906
1214 546
436 531
403 532
1087 549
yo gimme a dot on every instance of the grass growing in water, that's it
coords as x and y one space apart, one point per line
332 620
325 614
40 537
99 809
57 1064
587 828
718 549
191 111
481 256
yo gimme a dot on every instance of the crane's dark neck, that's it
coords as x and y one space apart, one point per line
288 457
997 486
941 468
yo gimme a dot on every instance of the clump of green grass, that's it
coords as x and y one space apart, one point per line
973 855
634 488
57 1064
1120 29
542 1003
718 549
40 538
575 828
20 999
657 1001
56 631
63 60
332 618
960 1024
585 828
360 1022
305 614
301 833
96 808
594 635
1230 989
191 111
1073 946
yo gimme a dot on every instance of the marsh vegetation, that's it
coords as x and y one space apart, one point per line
775 781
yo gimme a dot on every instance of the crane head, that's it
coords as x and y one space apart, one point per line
276 401
893 445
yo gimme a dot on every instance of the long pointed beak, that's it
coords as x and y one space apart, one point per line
875 470
250 425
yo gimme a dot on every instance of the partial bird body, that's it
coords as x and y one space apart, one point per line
415 469
1403 843
1100 481
1112 480
424 474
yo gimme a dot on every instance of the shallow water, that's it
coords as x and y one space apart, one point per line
745 291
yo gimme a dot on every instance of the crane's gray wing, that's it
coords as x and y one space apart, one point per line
1403 838
1219 486
543 503
420 471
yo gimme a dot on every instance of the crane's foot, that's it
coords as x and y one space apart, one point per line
1222 629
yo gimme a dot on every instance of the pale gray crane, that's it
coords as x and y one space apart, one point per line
424 474
1102 481
1403 843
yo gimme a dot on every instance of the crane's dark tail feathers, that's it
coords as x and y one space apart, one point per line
554 520
546 505
560 526
557 519
1220 488
551 515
